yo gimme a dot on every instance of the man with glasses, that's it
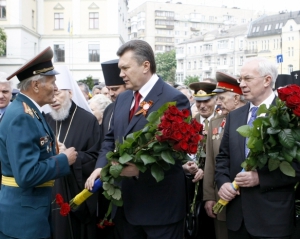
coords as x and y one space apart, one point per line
263 207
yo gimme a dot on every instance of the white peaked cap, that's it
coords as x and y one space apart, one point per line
65 81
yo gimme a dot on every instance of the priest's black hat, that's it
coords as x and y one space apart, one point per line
283 80
296 77
111 73
41 64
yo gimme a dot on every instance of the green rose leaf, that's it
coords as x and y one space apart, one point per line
105 170
157 172
117 194
111 191
274 121
271 141
296 134
244 130
273 164
118 203
109 155
106 186
286 138
141 167
284 120
272 130
115 170
163 164
263 158
287 169
286 156
298 154
262 109
147 159
106 195
153 117
159 147
167 157
125 158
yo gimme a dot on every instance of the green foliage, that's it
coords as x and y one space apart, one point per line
273 140
89 81
190 79
166 65
3 39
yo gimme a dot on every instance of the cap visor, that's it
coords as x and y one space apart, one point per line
218 90
204 98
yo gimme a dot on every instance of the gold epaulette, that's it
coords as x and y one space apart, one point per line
28 110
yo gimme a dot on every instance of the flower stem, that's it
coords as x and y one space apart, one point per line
195 196
142 146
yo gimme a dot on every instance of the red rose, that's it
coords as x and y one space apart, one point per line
173 110
293 101
59 199
196 125
284 92
169 116
65 209
175 126
108 223
166 133
178 119
181 146
296 111
176 135
164 125
183 128
101 226
186 113
196 138
193 148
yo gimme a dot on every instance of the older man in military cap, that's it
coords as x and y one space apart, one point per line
28 154
230 97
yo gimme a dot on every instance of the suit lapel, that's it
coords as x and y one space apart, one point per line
242 140
153 96
127 104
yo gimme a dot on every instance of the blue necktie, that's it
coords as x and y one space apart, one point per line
250 122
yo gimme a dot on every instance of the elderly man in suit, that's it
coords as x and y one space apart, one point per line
28 154
151 210
230 97
264 205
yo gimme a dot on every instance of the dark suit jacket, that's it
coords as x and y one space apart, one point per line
147 202
107 115
267 209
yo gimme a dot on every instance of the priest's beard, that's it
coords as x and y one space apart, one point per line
63 112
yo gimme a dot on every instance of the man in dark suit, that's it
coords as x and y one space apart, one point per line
264 205
151 210
28 154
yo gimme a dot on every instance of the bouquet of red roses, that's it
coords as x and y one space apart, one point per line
274 139
170 135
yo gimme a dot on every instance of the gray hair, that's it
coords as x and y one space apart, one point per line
85 87
101 102
3 80
265 67
242 97
24 84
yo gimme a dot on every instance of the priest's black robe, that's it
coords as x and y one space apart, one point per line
84 135
107 115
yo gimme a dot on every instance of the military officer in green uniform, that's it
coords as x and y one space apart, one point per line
28 154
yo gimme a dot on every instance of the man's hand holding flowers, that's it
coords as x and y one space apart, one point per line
247 179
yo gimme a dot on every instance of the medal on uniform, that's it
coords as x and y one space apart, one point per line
48 149
215 131
221 127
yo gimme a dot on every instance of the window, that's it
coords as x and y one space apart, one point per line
94 53
280 25
195 65
94 20
158 48
58 21
291 28
266 27
254 28
195 49
292 51
241 60
59 53
224 61
231 61
200 64
32 19
290 68
189 65
218 61
2 8
269 27
257 29
277 25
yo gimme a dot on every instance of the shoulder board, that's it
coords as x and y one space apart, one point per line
28 110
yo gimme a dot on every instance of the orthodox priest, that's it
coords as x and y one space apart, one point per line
115 86
74 126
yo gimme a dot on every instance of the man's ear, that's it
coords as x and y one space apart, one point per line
35 86
146 65
267 80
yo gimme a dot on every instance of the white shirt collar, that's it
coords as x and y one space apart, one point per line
209 118
144 91
37 106
267 101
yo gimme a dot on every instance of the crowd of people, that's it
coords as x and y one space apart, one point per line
54 137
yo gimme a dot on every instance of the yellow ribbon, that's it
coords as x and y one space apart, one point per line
10 181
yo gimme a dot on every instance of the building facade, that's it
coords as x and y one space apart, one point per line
164 25
82 33
276 37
